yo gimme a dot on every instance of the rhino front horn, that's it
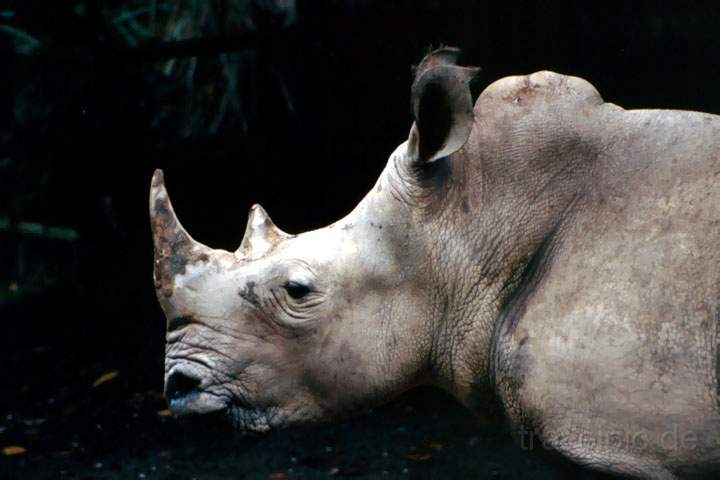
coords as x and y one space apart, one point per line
261 234
174 247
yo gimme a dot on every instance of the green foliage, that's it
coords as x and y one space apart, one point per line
25 44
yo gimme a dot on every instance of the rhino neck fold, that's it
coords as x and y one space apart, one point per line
472 255
504 232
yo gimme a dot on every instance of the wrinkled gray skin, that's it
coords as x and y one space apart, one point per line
544 252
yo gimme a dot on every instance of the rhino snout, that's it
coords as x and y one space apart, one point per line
185 394
181 386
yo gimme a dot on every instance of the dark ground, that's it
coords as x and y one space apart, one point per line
112 431
241 102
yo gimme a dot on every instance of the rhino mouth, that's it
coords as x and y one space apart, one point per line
190 396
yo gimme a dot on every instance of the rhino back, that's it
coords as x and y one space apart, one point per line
617 331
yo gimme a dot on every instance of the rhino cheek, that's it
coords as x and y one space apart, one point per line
335 380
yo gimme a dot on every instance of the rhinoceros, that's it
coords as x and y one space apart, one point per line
539 253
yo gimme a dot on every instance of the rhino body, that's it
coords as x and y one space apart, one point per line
541 254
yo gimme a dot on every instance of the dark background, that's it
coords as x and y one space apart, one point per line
295 105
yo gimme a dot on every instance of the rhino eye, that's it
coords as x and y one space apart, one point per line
296 290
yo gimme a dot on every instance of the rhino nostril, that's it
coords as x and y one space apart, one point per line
179 385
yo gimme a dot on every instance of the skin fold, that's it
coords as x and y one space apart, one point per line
539 253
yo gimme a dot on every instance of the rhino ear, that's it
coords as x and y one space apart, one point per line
442 106
261 234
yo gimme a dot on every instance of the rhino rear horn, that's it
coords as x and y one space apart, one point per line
174 247
442 106
261 234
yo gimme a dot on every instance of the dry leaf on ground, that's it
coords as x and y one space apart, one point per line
13 450
105 377
419 457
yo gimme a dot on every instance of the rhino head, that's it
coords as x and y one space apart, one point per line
307 327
